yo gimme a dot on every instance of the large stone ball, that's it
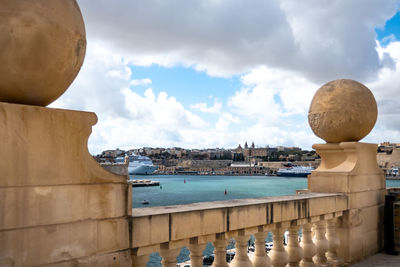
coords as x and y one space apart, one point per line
342 110
42 47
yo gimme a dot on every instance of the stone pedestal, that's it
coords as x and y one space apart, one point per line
56 203
351 168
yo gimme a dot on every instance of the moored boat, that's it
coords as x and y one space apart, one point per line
139 164
295 171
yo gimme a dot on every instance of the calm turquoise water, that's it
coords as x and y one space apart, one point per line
184 189
211 188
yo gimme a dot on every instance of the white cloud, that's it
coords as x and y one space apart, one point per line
203 107
126 118
291 88
386 89
282 50
323 40
336 39
140 82
271 108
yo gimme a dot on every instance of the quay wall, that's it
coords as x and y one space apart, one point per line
117 168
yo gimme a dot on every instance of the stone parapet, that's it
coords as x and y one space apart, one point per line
57 205
154 229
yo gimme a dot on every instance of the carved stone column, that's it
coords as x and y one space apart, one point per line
241 258
293 248
196 254
308 246
278 254
321 243
261 258
169 256
343 112
220 253
333 243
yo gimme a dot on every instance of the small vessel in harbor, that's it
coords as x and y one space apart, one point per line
145 202
294 171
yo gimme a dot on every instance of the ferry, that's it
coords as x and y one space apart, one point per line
294 171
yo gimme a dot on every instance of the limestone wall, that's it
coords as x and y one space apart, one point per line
58 207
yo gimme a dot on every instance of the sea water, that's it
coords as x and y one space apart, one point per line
185 189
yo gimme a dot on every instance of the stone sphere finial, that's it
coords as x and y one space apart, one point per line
342 111
42 47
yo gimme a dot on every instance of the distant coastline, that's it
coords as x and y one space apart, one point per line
235 174
392 177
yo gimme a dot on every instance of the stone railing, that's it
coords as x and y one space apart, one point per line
168 229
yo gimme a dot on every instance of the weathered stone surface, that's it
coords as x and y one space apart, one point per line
117 168
351 168
342 111
44 146
346 167
118 259
149 230
43 205
55 243
56 203
42 44
201 223
153 226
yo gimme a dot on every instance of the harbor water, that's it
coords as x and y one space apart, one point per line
185 189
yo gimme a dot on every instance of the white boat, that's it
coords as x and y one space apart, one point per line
138 164
295 171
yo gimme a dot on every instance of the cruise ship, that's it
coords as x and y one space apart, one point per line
295 171
138 164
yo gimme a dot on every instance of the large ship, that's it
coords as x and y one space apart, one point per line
138 164
294 171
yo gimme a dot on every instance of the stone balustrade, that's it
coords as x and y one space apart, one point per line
168 229
58 207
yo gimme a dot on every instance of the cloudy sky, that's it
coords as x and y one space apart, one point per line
216 73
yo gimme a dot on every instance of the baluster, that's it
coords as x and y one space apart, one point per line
278 254
293 248
309 248
196 254
261 258
169 256
220 253
321 243
139 261
241 257
333 242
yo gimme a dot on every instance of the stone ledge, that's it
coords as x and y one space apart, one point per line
139 212
157 225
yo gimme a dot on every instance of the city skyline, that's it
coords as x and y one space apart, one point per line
209 73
